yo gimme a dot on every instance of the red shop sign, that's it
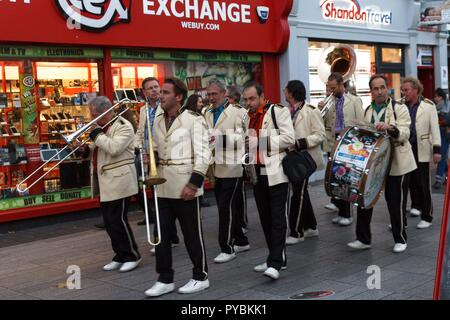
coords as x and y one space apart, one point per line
229 25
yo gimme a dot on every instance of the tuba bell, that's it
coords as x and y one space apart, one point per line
340 59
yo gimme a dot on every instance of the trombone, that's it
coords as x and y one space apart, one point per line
152 180
327 103
69 139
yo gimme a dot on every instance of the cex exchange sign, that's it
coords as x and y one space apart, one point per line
98 15
94 15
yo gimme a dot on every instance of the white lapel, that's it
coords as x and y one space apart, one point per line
420 111
222 117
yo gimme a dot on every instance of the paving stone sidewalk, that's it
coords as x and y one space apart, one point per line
35 254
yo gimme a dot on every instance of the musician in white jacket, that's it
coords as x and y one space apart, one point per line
392 118
309 135
425 139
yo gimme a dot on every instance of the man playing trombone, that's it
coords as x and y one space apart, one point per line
181 142
112 166
151 90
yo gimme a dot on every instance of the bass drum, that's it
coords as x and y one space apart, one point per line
358 166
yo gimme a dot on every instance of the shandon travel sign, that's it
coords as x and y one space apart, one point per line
351 11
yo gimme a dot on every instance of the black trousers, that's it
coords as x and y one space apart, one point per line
272 208
241 200
188 215
420 188
172 227
230 230
115 216
301 212
395 191
342 205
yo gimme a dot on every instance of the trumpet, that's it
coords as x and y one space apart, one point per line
69 139
247 159
152 180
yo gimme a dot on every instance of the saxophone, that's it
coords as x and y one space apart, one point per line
248 160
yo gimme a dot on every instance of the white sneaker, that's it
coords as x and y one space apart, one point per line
224 257
336 219
263 267
345 222
130 265
399 247
332 207
238 249
293 240
308 233
194 286
159 289
272 273
358 245
423 224
113 265
414 212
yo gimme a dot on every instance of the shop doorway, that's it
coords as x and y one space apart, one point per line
426 76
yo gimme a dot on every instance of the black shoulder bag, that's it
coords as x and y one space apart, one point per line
297 165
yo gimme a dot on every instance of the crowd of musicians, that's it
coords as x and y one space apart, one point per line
192 142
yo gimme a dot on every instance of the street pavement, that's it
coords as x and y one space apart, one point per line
35 255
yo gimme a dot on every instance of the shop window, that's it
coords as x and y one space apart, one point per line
12 150
64 90
196 74
391 55
56 105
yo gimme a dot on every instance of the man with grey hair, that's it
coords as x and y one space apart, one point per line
114 173
226 121
425 140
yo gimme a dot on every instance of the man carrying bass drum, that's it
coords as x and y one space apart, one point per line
393 118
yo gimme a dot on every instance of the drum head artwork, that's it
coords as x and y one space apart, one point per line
347 172
378 168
